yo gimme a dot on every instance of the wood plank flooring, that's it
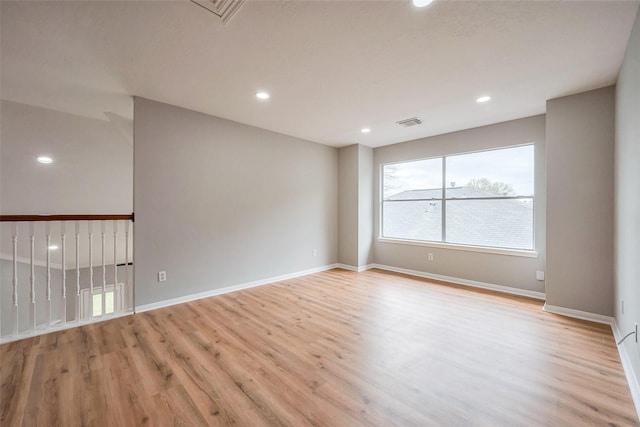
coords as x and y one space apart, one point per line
332 349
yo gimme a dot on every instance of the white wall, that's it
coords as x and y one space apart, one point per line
627 196
348 218
355 206
504 270
580 149
219 203
365 205
92 170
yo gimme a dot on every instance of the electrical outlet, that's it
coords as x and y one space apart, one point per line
162 276
540 275
430 256
314 252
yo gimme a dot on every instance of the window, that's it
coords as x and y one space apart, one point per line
476 199
91 304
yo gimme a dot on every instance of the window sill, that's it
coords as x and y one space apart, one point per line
455 247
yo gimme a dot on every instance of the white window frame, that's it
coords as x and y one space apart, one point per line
530 253
86 300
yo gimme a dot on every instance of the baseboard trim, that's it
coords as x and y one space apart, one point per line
354 268
632 376
227 289
464 282
347 267
578 314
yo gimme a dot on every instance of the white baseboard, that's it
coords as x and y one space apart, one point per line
465 282
227 289
632 376
577 314
353 268
347 267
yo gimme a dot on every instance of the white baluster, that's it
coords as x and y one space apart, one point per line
126 262
32 279
48 289
104 271
77 271
90 223
115 263
63 304
14 240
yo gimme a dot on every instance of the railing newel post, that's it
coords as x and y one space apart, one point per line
47 226
32 276
90 225
14 239
63 304
104 272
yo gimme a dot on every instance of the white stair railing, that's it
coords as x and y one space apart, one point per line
38 257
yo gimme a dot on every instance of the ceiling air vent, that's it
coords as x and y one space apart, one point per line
409 122
224 9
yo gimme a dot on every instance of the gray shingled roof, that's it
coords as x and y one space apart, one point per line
504 223
436 193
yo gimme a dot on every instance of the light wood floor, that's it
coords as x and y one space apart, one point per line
332 349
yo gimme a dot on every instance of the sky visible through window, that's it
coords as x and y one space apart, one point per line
513 166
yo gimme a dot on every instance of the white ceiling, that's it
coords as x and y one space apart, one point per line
332 67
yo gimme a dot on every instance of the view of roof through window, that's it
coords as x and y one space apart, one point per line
488 199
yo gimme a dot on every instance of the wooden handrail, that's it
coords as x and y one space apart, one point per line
72 217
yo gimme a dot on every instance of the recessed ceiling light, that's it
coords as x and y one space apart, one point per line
45 159
365 130
262 95
53 247
421 3
483 99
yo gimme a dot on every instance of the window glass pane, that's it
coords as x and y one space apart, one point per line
97 304
414 220
109 302
495 173
412 180
502 223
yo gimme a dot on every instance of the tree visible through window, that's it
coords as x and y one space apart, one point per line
480 199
